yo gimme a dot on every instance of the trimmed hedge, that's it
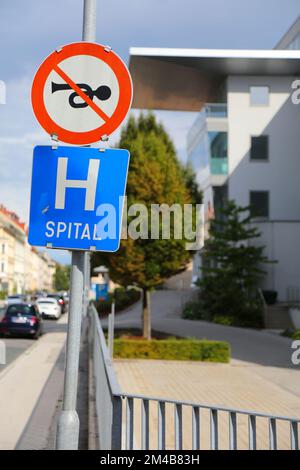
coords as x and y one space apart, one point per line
172 349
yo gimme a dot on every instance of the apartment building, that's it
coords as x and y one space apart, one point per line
22 267
244 144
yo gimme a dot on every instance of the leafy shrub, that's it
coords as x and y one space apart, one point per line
270 296
291 333
172 349
251 315
3 294
123 299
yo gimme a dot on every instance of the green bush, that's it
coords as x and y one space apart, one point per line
3 294
123 299
251 317
291 333
172 349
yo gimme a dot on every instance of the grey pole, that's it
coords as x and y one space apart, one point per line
89 35
89 21
68 422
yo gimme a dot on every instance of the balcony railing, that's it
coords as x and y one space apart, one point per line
216 110
219 166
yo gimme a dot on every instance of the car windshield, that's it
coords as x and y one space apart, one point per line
49 302
25 310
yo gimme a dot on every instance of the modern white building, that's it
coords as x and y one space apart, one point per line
245 142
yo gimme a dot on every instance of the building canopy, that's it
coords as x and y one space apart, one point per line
185 79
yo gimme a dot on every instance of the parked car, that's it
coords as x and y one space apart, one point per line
15 299
60 300
49 307
21 319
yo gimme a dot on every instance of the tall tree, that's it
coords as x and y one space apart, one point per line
62 277
155 177
232 268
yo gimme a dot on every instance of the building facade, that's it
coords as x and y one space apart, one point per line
244 144
23 269
250 155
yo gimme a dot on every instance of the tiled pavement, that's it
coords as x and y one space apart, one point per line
238 385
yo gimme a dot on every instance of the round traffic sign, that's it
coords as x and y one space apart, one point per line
81 92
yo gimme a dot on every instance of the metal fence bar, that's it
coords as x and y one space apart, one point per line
252 432
214 444
196 428
145 425
210 407
294 435
272 434
116 427
232 431
109 399
129 423
178 426
161 425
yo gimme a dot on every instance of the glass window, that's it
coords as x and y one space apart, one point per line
218 144
259 95
23 309
259 147
259 203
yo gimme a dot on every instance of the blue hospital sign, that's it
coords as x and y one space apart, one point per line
77 197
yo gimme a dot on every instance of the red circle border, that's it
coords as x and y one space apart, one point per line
125 88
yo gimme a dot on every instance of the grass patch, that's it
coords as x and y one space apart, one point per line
172 349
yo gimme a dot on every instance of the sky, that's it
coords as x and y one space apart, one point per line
30 30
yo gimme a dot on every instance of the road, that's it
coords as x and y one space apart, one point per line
17 346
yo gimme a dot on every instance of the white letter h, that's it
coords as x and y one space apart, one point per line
90 184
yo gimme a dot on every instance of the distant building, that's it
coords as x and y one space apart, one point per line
22 267
244 144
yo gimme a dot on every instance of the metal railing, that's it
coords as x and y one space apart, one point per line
159 423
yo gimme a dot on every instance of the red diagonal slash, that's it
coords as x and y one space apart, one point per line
81 93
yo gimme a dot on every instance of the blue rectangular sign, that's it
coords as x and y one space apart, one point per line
77 196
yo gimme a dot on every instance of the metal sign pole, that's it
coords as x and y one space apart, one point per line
89 35
68 423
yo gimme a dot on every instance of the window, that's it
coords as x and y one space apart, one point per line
218 144
259 148
2 267
259 95
3 248
259 202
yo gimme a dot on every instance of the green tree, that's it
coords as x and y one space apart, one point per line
155 177
232 269
62 277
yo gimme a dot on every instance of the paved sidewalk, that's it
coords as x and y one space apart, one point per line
270 352
236 385
22 382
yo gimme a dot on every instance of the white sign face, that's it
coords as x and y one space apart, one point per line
68 109
81 93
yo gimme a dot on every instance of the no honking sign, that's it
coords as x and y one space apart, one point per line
81 93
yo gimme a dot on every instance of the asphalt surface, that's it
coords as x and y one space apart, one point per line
17 346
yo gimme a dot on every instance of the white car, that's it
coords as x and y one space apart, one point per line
15 299
49 308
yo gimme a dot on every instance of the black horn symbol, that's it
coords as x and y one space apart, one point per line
103 93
